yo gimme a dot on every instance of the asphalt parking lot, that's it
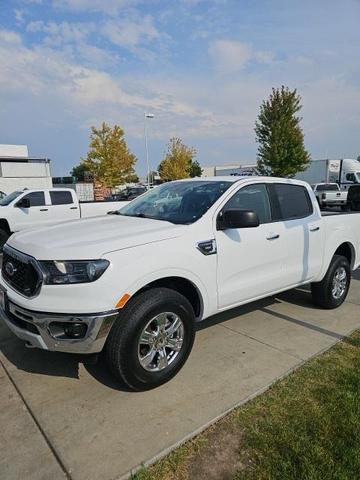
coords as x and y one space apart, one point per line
63 419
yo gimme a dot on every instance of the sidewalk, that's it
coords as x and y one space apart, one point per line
93 428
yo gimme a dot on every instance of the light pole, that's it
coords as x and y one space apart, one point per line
147 115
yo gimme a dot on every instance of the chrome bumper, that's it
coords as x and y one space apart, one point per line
33 328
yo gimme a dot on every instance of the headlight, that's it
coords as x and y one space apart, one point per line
60 272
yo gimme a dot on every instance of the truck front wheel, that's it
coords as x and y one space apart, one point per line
4 235
151 339
333 289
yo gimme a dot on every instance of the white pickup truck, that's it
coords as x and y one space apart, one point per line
330 195
26 209
136 283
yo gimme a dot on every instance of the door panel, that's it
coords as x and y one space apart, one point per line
37 214
251 261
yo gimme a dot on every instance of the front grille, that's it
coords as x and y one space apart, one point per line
20 272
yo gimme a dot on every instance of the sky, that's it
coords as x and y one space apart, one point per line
202 67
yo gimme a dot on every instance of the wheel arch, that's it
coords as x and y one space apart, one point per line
4 225
183 285
347 250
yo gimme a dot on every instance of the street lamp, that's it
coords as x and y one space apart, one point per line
147 115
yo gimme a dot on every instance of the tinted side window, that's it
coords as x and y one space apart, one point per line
252 197
294 201
61 198
37 199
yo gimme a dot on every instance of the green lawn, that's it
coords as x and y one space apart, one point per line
306 426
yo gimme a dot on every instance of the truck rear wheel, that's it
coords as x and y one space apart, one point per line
333 289
151 339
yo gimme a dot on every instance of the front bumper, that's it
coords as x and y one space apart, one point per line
34 329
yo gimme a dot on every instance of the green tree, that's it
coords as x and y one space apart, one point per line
79 172
109 158
178 160
281 150
195 169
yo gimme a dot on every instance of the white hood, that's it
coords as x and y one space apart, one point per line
93 237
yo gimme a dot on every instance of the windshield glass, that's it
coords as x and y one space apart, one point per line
329 187
9 198
177 202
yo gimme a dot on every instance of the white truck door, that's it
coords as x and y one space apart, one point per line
64 205
251 261
300 227
37 214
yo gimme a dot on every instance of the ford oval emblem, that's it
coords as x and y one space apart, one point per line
10 269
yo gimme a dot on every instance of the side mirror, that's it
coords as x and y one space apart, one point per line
236 218
23 203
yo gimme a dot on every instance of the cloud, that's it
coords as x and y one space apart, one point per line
110 7
131 32
10 37
229 56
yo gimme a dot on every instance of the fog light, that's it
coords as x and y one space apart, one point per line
75 330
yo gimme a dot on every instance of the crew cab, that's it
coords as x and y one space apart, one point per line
330 195
25 209
134 284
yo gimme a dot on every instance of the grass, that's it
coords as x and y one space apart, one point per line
306 426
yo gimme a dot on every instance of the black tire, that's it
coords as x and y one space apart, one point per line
4 235
122 344
323 292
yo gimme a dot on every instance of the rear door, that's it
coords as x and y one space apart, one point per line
63 206
300 227
251 261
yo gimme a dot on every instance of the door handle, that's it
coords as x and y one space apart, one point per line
273 236
44 209
314 228
73 208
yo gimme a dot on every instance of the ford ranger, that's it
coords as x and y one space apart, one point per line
134 284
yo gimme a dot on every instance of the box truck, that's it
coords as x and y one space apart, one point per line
345 172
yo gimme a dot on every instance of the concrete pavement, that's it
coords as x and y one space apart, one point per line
60 418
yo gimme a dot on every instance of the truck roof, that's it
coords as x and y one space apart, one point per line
243 178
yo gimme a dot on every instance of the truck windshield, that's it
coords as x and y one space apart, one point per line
176 202
328 187
9 198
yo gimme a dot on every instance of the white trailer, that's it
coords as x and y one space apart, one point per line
345 172
19 171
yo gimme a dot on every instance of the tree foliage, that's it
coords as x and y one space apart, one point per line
79 172
281 150
109 158
195 169
178 161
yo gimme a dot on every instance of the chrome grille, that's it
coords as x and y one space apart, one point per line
21 272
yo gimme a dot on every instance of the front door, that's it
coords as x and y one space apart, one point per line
251 261
37 214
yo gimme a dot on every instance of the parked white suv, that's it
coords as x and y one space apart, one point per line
137 282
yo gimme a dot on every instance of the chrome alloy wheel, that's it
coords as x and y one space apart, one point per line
160 341
339 283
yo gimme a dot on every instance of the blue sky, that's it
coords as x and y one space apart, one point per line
201 66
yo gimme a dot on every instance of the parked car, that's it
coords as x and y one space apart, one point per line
329 195
25 209
353 198
136 283
128 194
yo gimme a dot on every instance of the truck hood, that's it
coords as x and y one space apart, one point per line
91 238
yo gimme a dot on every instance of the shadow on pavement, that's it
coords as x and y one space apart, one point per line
67 365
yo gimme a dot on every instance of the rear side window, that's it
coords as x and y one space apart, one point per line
61 198
293 201
252 197
37 199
